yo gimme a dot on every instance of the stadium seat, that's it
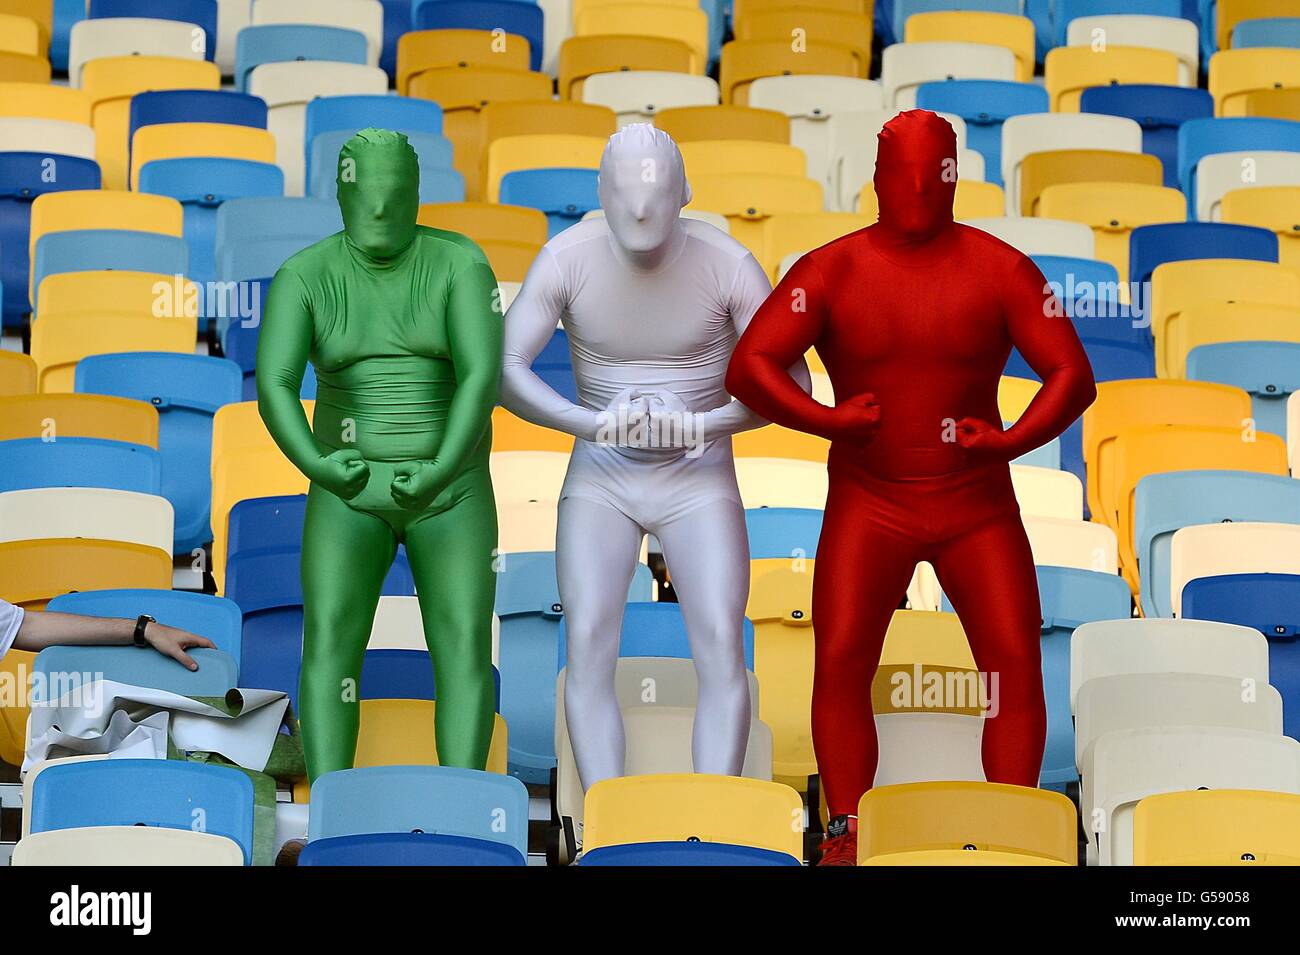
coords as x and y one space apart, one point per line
1068 71
1212 550
690 807
493 15
1221 173
1016 33
97 39
683 24
60 341
1281 103
163 141
689 124
1198 138
1029 133
126 846
487 222
744 61
87 251
1043 170
423 50
1221 827
151 792
564 194
280 43
974 816
17 374
408 849
1236 73
1276 208
1120 27
905 66
1163 503
66 668
748 199
1036 236
213 617
353 113
22 35
200 13
539 151
439 182
58 510
1233 323
984 105
41 101
1227 14
78 416
81 462
1160 110
1265 369
637 96
852 30
363 16
195 106
688 853
35 572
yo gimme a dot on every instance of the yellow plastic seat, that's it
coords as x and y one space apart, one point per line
34 572
748 199
421 50
510 261
662 21
802 232
1014 395
1159 449
20 35
675 807
102 209
112 81
16 669
990 817
1175 286
1276 208
780 607
183 140
463 92
1218 322
745 8
744 61
852 30
1236 73
774 441
583 56
487 221
78 416
246 463
1274 103
1132 403
959 857
1041 170
974 26
21 68
1228 13
17 374
1217 827
42 101
737 156
1069 70
512 433
687 124
402 733
539 151
1112 210
60 341
932 646
541 117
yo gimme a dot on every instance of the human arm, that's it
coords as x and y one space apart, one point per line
41 629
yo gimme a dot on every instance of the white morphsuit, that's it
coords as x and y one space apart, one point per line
653 305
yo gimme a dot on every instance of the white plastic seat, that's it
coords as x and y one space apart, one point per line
519 476
364 16
1162 645
52 137
526 526
851 144
1040 132
1038 236
1293 432
1066 542
232 16
905 66
1220 173
131 36
91 512
1130 765
1236 547
399 626
810 101
1177 36
928 747
781 482
636 96
557 26
289 87
126 845
509 291
1047 492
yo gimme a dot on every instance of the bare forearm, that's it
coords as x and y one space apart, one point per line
41 629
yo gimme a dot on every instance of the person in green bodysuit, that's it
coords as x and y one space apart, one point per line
402 325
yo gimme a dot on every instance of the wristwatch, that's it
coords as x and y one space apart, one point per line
141 622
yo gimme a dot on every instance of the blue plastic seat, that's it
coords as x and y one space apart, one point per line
405 675
1069 597
351 113
284 42
239 338
1089 293
201 185
1159 110
187 390
1166 502
203 13
23 177
565 195
985 105
408 849
397 20
1198 138
1153 245
554 365
216 618
158 107
658 630
79 462
1067 10
67 13
1269 371
439 182
689 853
1271 604
429 799
520 17
65 668
783 532
528 606
1267 31
148 792
97 250
266 523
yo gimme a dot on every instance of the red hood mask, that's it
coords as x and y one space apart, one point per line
916 176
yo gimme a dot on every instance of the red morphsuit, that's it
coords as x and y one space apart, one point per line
914 318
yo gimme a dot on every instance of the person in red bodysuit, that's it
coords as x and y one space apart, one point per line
914 318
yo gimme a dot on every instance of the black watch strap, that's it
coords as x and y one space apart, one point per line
141 622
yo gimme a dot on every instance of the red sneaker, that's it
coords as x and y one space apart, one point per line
840 850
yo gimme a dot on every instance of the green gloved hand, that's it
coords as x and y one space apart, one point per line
343 472
416 484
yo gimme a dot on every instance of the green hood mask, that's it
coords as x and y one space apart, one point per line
379 192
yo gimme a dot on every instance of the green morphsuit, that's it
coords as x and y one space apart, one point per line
402 326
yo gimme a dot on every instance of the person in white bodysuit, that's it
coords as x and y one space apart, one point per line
653 305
